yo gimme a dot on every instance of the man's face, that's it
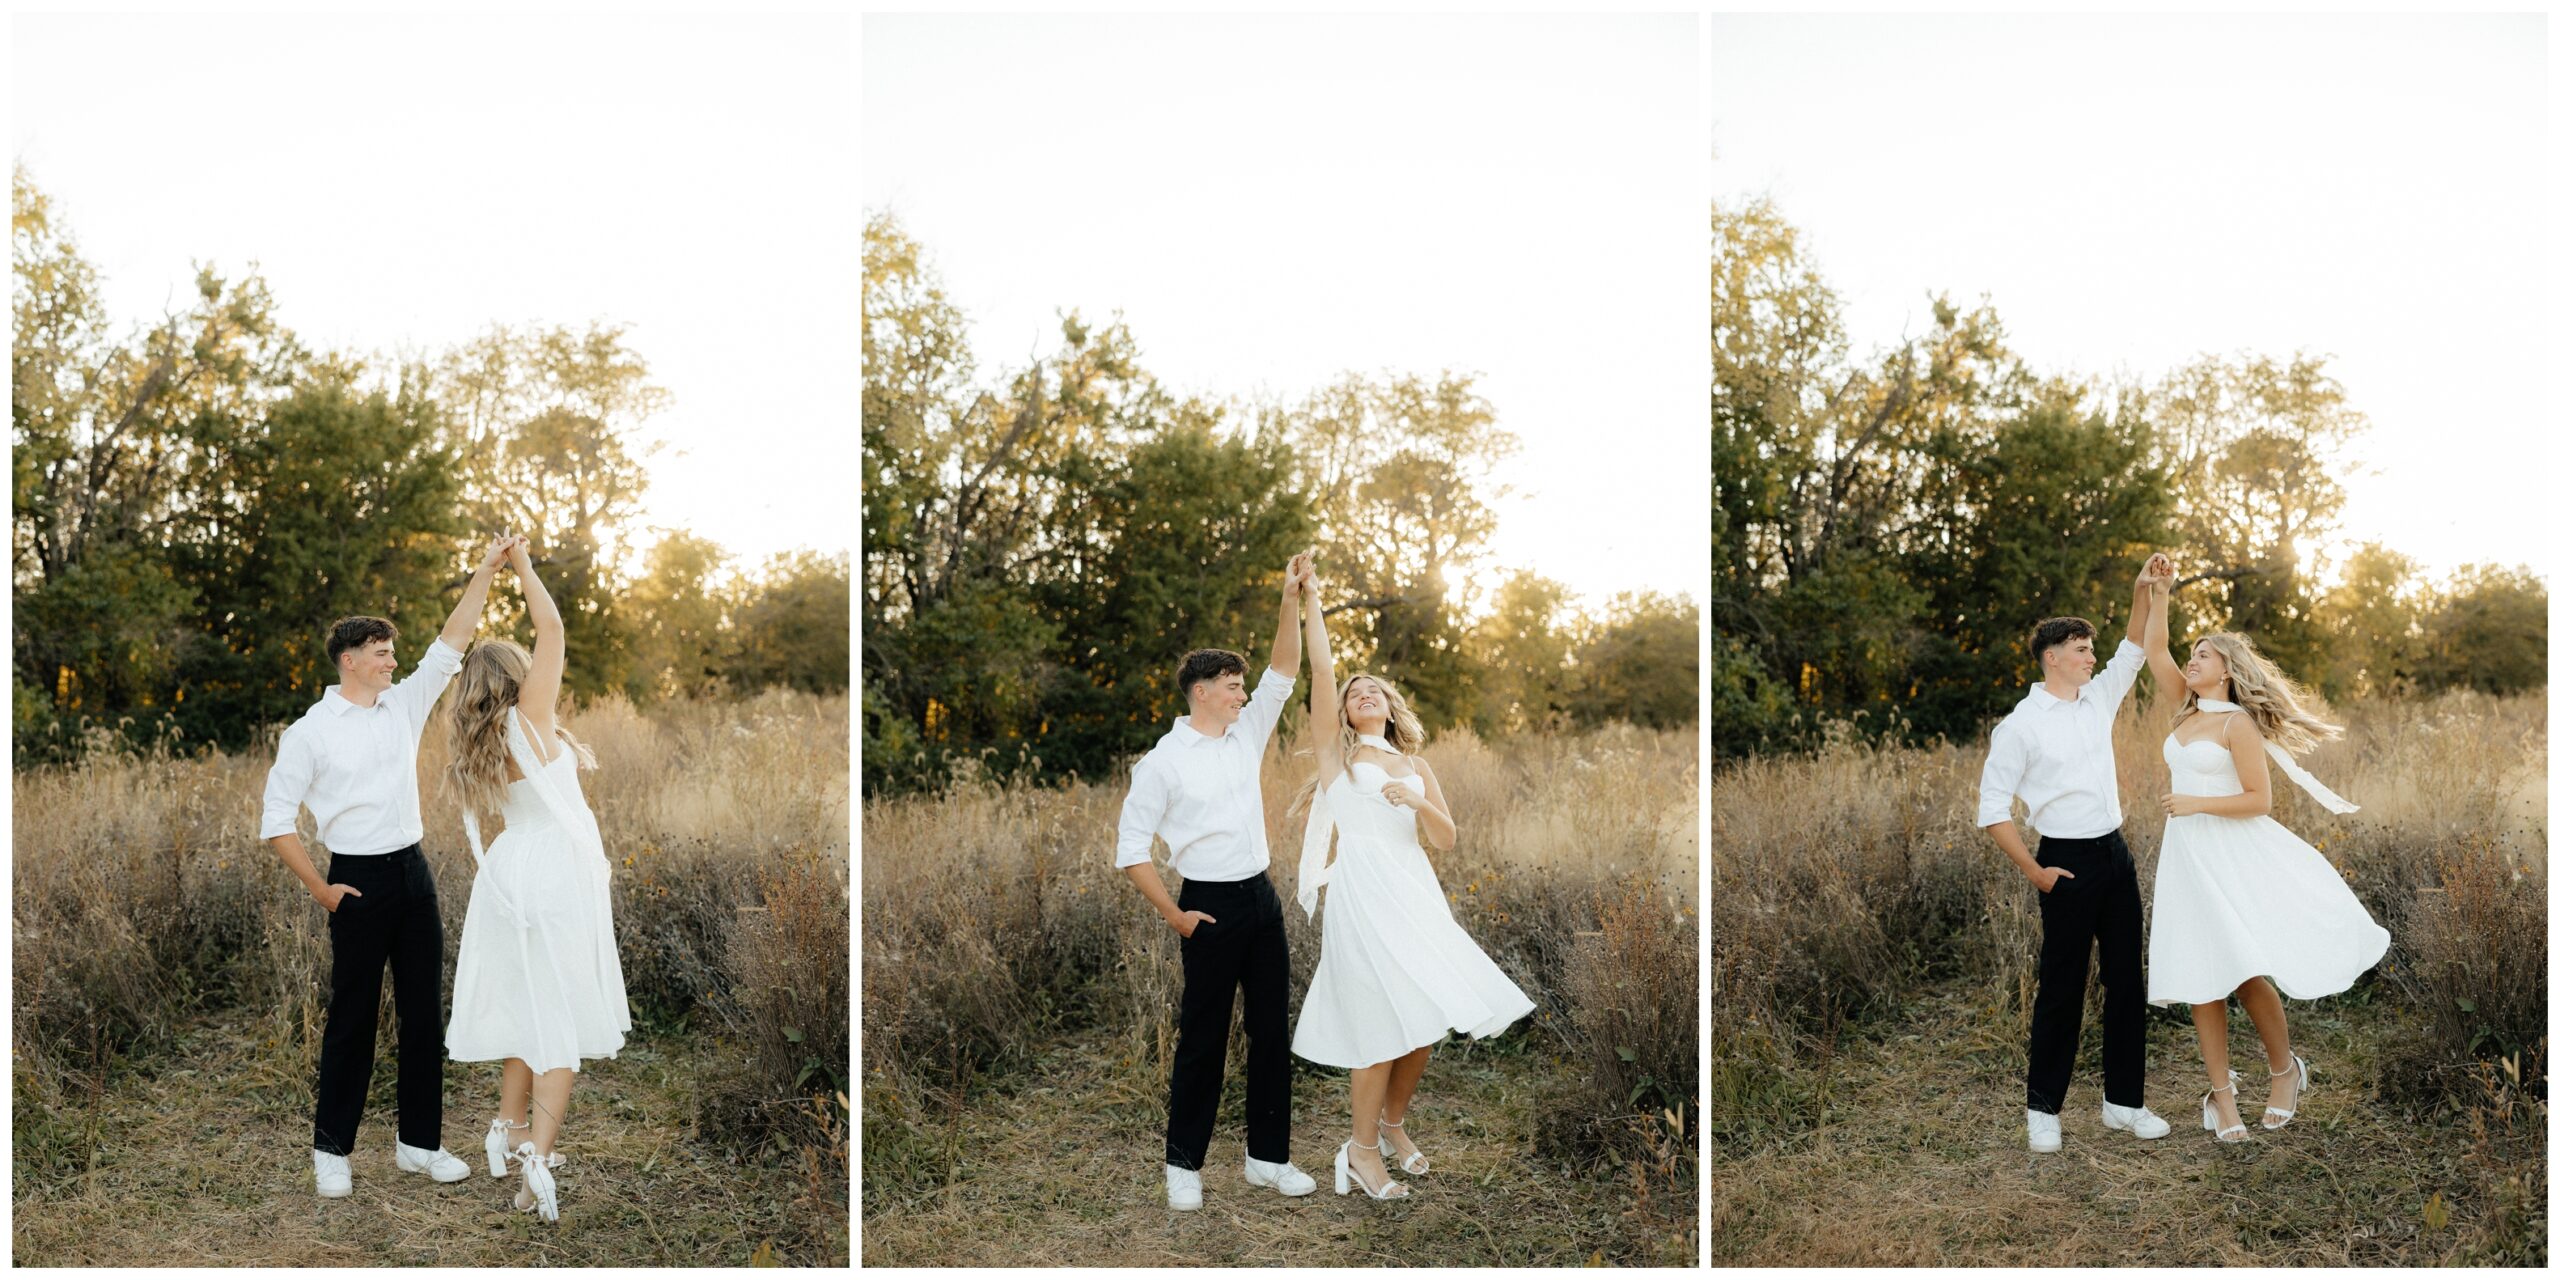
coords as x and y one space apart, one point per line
1219 701
2072 662
369 666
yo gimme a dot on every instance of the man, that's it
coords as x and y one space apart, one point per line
1201 789
353 757
2056 751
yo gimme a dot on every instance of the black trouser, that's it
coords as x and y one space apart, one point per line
1249 945
2101 899
391 916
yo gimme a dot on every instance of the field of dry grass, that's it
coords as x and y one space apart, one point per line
1873 970
1018 1016
171 985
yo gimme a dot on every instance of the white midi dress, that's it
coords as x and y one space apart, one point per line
2239 898
538 977
1397 971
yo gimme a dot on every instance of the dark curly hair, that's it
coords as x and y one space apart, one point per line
1207 664
356 633
2054 631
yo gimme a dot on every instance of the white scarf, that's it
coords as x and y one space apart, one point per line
2284 760
1313 870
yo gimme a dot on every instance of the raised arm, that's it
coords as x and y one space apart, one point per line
2155 641
541 691
1284 634
465 617
1324 700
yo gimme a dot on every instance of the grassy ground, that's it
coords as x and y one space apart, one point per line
1923 1161
202 1157
1062 1165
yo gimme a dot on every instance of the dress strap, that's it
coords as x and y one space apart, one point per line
2334 802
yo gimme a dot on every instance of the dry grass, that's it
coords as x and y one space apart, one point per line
995 930
1854 895
144 903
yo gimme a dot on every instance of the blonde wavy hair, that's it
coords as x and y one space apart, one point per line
2286 714
1403 729
492 677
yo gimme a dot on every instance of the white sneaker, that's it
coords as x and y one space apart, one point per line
331 1173
1284 1178
2139 1119
2044 1130
1181 1187
438 1164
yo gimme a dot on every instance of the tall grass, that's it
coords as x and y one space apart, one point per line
1845 879
993 921
142 897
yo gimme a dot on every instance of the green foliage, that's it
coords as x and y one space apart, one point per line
1640 666
195 505
1886 533
1038 555
2374 622
790 625
2490 630
1176 545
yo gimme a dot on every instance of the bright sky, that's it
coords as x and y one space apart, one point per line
1271 201
406 182
2132 191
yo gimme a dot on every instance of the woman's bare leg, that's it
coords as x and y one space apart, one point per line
2266 1013
1404 1075
550 1105
2213 1039
1368 1097
550 1096
515 1090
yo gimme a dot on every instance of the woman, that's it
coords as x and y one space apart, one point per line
537 982
1397 972
2241 905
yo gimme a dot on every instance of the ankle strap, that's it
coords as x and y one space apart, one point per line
1382 1121
1367 1146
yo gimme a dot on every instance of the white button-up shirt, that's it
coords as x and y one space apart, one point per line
2060 757
1204 794
357 767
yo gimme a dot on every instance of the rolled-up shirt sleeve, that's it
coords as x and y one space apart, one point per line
1141 813
288 780
2001 771
2116 681
1261 715
416 695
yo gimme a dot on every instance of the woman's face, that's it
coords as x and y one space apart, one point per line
2205 668
1364 704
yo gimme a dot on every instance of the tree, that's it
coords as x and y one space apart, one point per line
1641 665
676 615
790 625
112 446
342 502
1402 477
546 425
2054 517
1522 653
2489 629
1179 544
2255 447
2374 622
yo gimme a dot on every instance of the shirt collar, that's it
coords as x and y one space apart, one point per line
1187 736
2042 698
337 702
